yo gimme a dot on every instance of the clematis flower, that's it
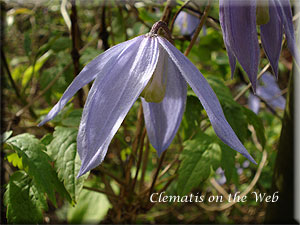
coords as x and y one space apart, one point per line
269 92
187 23
150 66
238 22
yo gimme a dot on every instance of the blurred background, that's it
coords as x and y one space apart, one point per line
45 44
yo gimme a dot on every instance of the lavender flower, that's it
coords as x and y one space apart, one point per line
238 22
187 23
150 66
269 92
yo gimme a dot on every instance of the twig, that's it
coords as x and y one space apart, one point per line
103 34
106 172
14 85
167 12
202 21
244 193
76 44
145 161
135 144
140 158
157 172
177 13
100 191
34 100
242 92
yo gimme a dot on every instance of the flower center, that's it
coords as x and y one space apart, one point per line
156 87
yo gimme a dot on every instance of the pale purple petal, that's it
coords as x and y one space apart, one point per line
187 23
271 37
97 67
271 92
285 14
207 97
254 102
238 22
231 57
163 119
110 99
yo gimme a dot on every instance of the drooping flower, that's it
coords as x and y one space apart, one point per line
187 23
238 22
149 65
269 92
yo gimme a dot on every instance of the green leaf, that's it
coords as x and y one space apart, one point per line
257 123
192 116
91 208
37 165
27 43
63 149
23 201
232 110
228 162
15 160
199 155
34 69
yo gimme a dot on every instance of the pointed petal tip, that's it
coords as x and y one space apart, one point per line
81 172
248 156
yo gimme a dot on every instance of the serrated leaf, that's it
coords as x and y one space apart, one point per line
199 155
228 162
23 201
257 123
63 149
192 116
37 164
15 160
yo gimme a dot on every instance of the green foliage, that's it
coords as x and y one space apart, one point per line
91 207
63 150
23 200
37 165
192 116
199 156
256 122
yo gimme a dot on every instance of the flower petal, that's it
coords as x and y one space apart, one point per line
207 97
110 99
239 29
163 119
97 67
285 14
271 37
270 92
231 57
254 102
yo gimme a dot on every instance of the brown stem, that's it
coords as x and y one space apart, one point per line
140 158
103 34
176 14
108 173
202 21
76 44
145 161
157 172
167 12
100 191
135 144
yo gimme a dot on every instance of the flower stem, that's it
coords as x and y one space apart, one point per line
202 21
177 13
